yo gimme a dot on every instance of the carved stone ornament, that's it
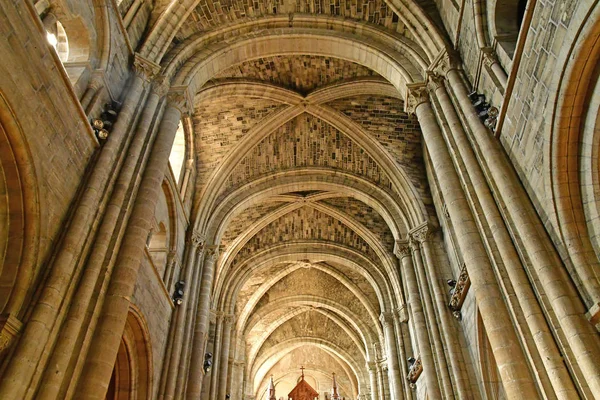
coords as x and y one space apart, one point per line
402 249
212 252
414 371
145 68
443 63
459 292
180 98
161 86
416 93
421 233
9 329
197 238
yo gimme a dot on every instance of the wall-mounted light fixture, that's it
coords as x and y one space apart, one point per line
207 363
178 294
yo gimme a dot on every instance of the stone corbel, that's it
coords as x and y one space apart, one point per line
459 292
10 327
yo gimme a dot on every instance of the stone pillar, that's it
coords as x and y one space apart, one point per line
237 379
217 356
403 252
395 376
196 373
172 366
448 327
561 296
373 380
380 387
49 307
445 383
225 346
107 336
558 375
62 367
400 317
514 372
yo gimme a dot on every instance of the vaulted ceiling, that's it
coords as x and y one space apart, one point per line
308 172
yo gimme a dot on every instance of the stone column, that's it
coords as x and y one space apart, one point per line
403 252
558 374
373 380
448 327
237 381
217 356
395 376
400 317
561 295
172 366
107 336
380 387
429 312
225 346
196 373
514 372
87 297
64 268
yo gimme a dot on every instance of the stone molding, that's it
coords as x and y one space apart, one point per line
145 68
416 94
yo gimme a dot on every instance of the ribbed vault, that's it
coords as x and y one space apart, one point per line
308 172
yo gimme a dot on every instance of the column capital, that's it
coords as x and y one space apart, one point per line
489 56
145 68
212 252
402 249
420 233
416 93
446 61
180 98
161 85
371 366
386 318
402 313
197 239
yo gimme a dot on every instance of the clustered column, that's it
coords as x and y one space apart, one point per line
404 253
516 378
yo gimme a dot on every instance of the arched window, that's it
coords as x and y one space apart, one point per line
70 40
506 24
177 155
